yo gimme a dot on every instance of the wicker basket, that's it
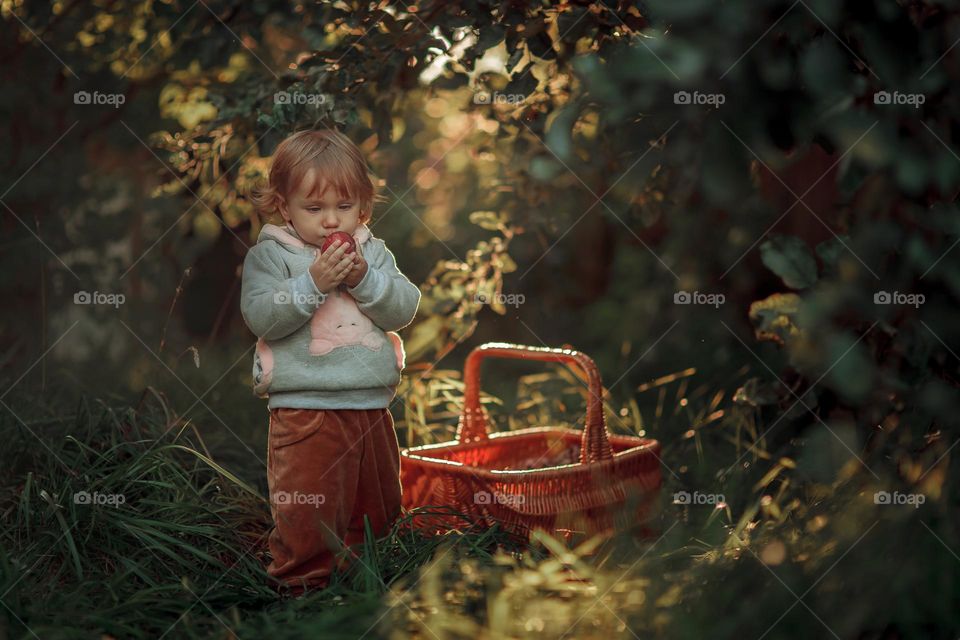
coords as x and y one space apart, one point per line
563 481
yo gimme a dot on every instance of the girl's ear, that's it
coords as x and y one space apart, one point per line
282 208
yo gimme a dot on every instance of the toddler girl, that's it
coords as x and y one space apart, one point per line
328 357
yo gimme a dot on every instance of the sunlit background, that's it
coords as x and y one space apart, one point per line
743 212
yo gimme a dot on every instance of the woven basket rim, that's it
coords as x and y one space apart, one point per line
641 448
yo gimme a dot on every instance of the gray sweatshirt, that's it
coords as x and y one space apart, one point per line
324 351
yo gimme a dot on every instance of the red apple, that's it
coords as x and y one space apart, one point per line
343 237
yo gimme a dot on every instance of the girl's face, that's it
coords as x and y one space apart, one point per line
316 217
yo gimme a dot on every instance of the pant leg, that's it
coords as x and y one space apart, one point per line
378 488
313 461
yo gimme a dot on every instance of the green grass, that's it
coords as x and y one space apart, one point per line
183 556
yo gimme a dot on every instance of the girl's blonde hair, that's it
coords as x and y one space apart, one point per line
337 162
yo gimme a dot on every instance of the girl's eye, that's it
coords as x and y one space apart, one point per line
313 210
346 207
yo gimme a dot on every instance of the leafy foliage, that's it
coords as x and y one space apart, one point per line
597 159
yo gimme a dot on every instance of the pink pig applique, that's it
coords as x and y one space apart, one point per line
338 322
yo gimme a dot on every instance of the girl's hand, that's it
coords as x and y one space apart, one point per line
359 269
330 268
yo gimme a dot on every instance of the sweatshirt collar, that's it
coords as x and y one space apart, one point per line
287 235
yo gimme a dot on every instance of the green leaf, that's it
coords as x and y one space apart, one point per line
946 171
514 59
849 368
912 172
571 25
489 37
688 10
490 220
450 80
543 167
725 174
790 258
541 46
829 252
775 317
523 84
822 67
558 137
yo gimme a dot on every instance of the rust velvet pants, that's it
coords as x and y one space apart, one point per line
326 469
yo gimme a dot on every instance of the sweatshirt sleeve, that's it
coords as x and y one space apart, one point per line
385 295
272 304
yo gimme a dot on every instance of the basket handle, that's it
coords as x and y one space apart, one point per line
594 446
